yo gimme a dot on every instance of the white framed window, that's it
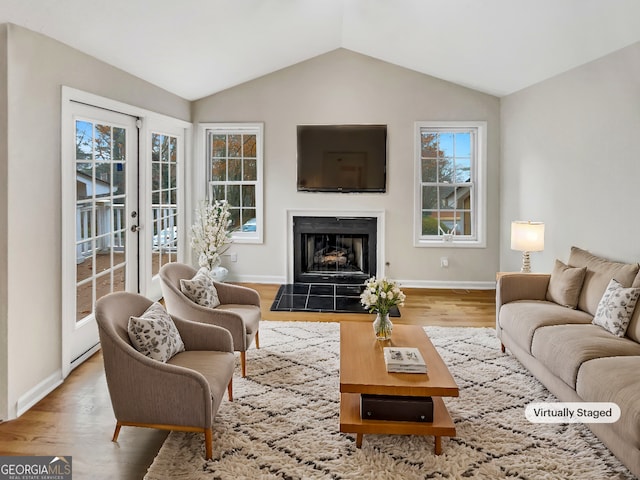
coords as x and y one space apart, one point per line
234 159
450 186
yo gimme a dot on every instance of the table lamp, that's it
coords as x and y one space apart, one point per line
527 237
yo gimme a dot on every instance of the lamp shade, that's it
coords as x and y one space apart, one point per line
527 236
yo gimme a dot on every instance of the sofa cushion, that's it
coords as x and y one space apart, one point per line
154 334
622 386
633 330
599 272
250 315
565 284
564 348
521 318
201 289
616 307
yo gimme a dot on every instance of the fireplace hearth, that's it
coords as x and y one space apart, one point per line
337 250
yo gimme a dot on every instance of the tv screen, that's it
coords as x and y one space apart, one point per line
342 158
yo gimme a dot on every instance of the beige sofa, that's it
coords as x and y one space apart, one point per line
574 358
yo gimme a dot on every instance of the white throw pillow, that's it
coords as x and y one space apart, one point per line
616 307
154 334
201 289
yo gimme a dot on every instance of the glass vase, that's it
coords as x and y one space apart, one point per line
382 326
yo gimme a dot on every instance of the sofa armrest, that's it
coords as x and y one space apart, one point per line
203 336
521 286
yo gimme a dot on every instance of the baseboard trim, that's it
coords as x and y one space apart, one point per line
435 284
37 393
449 285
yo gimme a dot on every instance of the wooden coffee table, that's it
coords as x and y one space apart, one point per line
362 370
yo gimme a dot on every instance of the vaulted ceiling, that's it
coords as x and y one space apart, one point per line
195 48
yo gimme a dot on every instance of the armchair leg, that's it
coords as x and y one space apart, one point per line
116 432
502 348
258 339
208 443
230 390
243 363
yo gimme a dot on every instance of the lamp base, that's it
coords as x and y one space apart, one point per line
526 263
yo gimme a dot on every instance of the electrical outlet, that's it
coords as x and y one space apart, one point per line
233 257
444 262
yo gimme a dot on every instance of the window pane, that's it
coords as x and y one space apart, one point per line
218 145
84 140
155 176
429 143
446 171
118 181
173 149
463 198
234 216
463 170
155 147
235 169
217 192
103 143
430 170
447 197
119 143
219 170
249 147
249 220
429 197
445 144
248 196
233 195
430 223
250 171
84 180
463 144
235 146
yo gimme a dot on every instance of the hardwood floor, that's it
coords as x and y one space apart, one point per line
76 419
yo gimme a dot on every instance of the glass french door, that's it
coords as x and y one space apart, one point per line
105 241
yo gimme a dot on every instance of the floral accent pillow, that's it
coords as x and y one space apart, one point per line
201 289
616 307
154 334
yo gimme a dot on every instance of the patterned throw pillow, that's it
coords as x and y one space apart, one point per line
154 334
201 289
616 307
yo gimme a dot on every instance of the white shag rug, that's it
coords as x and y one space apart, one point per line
284 421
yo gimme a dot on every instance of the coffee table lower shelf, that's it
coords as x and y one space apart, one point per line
351 422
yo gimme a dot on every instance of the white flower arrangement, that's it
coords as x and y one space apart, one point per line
380 295
210 236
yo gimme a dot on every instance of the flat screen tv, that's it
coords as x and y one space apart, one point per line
342 158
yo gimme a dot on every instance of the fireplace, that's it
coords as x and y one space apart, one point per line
338 250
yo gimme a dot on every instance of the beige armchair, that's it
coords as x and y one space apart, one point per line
182 394
239 309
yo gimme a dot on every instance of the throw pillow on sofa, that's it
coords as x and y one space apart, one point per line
154 334
565 284
200 289
616 307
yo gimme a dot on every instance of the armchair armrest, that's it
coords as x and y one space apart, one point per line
521 286
203 336
238 294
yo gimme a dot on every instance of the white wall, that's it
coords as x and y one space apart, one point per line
3 220
571 158
37 68
345 87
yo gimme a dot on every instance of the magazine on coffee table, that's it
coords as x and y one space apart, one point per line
404 360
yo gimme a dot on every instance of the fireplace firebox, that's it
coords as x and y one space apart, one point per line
334 249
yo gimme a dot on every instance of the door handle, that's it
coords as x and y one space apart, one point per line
136 228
